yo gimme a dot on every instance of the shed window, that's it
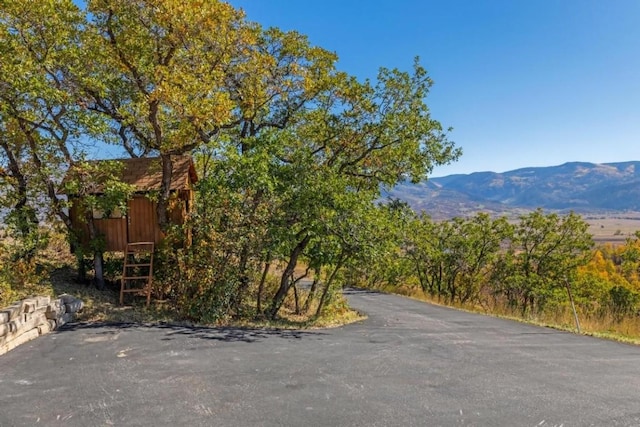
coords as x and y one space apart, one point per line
100 214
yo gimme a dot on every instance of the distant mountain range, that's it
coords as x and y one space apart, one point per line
581 187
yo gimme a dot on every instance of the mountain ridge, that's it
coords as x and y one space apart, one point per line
579 186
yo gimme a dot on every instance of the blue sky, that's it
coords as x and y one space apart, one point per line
523 83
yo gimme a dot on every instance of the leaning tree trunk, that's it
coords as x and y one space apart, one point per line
265 271
285 281
573 305
312 291
296 298
323 297
294 285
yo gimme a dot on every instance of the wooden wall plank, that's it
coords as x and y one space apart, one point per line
115 232
143 221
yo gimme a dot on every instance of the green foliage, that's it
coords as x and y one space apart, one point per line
41 121
27 238
545 252
525 268
623 302
96 188
591 295
199 281
455 259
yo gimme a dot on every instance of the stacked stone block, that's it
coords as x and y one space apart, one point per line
32 317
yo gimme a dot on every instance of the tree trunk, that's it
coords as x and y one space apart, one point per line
323 297
165 191
296 298
26 217
312 291
243 278
98 263
294 284
285 280
245 252
82 268
97 252
267 265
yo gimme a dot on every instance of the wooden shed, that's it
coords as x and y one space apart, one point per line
140 222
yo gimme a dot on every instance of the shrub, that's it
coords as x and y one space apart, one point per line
19 279
199 283
622 302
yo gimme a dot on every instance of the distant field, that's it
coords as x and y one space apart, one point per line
613 228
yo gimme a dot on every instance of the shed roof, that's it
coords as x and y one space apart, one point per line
145 173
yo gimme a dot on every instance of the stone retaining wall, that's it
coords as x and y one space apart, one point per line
32 317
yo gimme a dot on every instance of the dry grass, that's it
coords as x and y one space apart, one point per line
103 306
287 319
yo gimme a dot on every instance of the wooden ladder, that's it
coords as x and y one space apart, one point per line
137 268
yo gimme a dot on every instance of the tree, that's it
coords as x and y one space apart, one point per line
41 123
426 247
630 257
159 71
454 258
386 264
359 235
286 186
546 252
474 250
22 218
358 138
175 77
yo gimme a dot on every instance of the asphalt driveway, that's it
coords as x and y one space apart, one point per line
409 364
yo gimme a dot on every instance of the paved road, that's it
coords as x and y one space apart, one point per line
409 364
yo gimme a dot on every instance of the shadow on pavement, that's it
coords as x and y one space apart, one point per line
361 291
225 334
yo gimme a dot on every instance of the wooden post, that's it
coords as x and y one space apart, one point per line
573 306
